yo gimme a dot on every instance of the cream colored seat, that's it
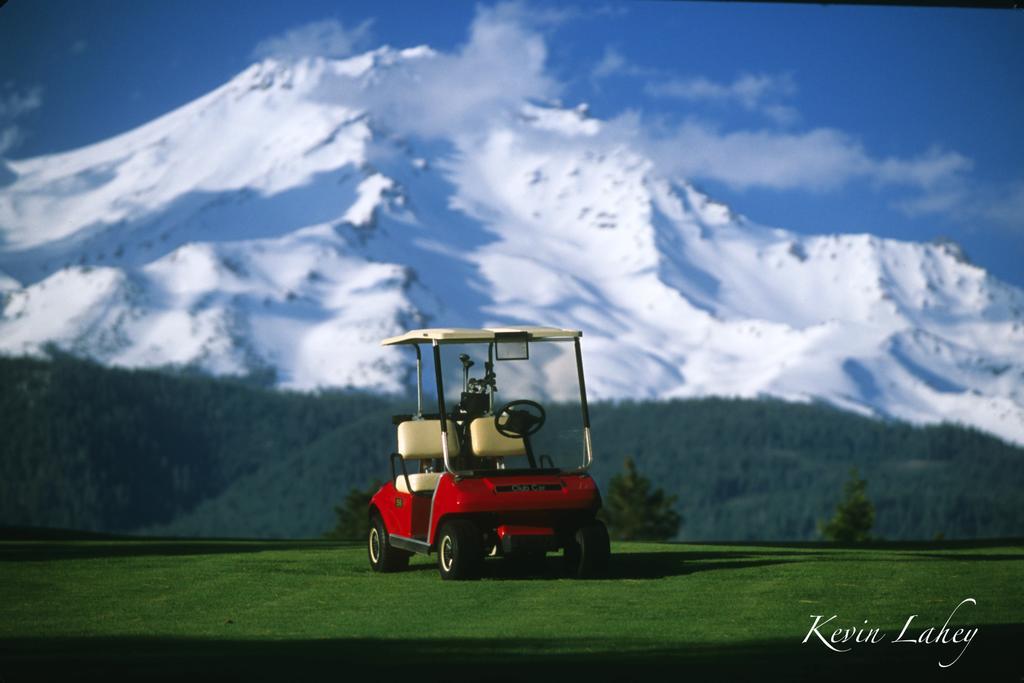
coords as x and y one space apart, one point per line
421 481
488 442
421 440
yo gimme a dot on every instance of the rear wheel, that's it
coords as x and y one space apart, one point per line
383 556
459 550
586 557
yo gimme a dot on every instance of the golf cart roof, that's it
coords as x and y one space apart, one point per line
464 335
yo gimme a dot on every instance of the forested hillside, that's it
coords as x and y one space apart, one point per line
165 452
769 470
105 449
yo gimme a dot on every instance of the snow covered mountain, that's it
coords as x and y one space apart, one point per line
287 221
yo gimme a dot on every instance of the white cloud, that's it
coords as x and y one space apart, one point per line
965 202
502 65
326 38
611 63
748 90
10 136
933 168
1007 208
614 63
818 160
753 92
465 94
781 114
762 93
944 202
611 10
14 105
541 15
536 15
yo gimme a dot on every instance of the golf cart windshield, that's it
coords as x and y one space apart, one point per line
548 378
516 403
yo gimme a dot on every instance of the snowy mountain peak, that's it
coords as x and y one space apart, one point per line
291 218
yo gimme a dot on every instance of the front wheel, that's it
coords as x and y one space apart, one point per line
383 556
460 550
586 556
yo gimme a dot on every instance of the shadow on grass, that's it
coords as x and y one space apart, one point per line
36 533
629 565
44 551
568 659
658 565
632 565
638 565
661 565
964 544
973 557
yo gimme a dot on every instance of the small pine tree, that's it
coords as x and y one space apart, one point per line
635 513
352 518
855 514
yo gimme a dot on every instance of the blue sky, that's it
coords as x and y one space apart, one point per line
902 122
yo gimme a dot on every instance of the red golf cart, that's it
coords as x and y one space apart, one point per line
486 477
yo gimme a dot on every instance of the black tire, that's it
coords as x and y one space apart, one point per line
587 557
460 551
383 556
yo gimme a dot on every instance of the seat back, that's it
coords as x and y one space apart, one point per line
421 439
487 442
420 482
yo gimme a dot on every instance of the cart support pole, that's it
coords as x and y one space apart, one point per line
588 452
419 381
440 408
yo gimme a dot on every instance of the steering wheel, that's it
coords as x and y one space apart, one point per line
520 423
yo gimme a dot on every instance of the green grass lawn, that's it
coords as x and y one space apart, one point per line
286 610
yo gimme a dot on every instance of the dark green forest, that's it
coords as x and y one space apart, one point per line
174 453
